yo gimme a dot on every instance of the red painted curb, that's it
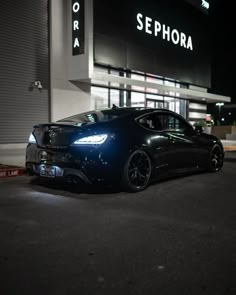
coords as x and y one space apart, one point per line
11 172
230 148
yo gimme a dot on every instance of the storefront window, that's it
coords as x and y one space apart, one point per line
176 105
100 96
151 104
100 70
155 97
114 97
170 103
139 78
151 80
137 99
155 80
154 101
114 84
137 96
169 83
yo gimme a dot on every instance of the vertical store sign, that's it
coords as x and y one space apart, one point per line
77 27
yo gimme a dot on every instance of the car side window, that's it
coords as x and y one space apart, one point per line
173 123
151 122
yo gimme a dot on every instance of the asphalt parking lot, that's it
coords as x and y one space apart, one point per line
176 237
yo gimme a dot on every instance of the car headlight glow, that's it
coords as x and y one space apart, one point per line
94 139
32 138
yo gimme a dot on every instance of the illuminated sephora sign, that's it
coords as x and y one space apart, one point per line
77 27
155 28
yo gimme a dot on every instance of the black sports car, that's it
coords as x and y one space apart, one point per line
124 146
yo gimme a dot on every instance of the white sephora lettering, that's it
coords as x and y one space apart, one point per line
76 8
154 27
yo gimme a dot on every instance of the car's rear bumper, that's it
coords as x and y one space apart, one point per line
88 166
65 173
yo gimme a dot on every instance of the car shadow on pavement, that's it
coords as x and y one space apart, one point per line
230 159
81 190
78 189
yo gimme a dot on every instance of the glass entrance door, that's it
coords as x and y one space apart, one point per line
156 104
173 104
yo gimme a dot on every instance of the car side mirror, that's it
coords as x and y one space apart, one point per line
198 129
189 131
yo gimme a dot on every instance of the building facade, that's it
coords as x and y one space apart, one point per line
62 57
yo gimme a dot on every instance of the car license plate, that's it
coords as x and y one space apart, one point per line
47 171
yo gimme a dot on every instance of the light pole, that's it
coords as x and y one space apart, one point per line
219 104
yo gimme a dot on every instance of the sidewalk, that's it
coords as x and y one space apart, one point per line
13 154
229 145
12 160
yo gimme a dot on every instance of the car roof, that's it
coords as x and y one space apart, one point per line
136 111
116 114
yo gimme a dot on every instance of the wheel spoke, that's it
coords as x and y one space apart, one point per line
216 158
139 169
141 175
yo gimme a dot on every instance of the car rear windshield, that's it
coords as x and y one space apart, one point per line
97 116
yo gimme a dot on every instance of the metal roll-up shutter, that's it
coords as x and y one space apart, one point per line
24 59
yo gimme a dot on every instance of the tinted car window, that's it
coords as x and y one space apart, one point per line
96 116
172 122
151 122
164 121
100 115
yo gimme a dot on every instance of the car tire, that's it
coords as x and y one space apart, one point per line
216 158
137 171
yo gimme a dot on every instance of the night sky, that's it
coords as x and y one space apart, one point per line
223 49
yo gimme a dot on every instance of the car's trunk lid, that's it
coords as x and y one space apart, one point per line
57 135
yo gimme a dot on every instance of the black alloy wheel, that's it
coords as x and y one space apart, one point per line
216 158
137 171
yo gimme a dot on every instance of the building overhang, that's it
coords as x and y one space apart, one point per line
185 93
